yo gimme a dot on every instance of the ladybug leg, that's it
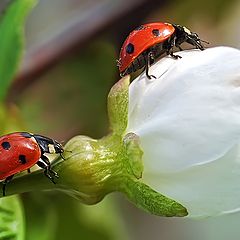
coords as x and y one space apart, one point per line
45 164
194 42
5 182
170 52
148 62
61 155
174 56
29 170
173 42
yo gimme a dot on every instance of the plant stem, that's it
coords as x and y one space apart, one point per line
27 183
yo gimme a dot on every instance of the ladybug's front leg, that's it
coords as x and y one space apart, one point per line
149 57
45 164
5 182
173 43
170 52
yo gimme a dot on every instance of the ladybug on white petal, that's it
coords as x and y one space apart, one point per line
148 42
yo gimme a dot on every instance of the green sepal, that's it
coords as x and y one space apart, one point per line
118 106
151 201
134 154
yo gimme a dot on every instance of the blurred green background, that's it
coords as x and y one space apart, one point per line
61 91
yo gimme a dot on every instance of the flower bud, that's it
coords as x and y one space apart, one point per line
188 123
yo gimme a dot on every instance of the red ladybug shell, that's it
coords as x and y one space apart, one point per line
142 40
17 153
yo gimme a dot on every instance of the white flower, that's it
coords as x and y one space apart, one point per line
188 121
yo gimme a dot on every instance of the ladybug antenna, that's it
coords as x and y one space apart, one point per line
68 151
61 154
118 62
204 41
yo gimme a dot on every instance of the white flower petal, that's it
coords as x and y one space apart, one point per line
188 120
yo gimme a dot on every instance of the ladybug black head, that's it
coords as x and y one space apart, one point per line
183 34
48 145
58 147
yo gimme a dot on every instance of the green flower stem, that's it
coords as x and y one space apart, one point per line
27 183
93 168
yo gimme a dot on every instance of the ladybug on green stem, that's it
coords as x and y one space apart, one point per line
21 150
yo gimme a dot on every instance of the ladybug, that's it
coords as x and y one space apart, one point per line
148 42
19 151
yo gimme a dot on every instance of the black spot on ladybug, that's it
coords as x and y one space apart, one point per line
6 145
156 32
141 27
26 135
130 48
22 159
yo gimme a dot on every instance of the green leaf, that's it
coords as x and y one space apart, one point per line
12 224
118 106
12 40
41 216
151 201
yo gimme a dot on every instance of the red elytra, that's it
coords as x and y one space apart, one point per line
21 150
149 41
142 38
17 153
